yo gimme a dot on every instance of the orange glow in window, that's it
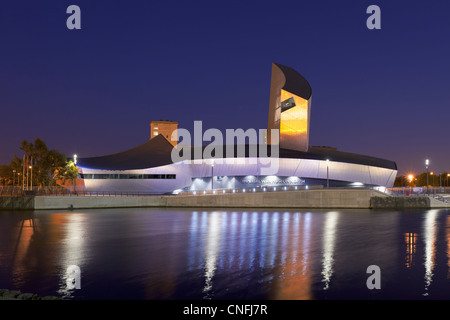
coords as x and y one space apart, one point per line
294 123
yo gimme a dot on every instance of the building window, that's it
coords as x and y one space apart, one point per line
127 176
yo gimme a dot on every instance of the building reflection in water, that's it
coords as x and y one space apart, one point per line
193 240
22 262
294 276
263 244
254 241
448 246
329 239
285 236
72 249
211 251
227 254
276 244
411 247
243 239
429 231
306 240
233 234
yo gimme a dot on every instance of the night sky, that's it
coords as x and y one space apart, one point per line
94 91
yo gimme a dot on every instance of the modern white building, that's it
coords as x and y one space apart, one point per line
148 168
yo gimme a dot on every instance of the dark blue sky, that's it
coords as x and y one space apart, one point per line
94 91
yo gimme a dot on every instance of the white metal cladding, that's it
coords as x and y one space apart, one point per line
187 170
304 168
156 186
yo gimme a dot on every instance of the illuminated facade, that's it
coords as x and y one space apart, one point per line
149 168
289 108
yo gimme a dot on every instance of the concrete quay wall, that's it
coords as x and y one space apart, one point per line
323 198
80 202
20 203
399 202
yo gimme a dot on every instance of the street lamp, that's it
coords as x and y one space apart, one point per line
328 181
74 180
427 162
212 175
31 181
14 178
27 177
411 178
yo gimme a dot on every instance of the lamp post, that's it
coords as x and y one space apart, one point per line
427 162
14 178
74 180
23 173
448 175
31 180
328 180
411 178
212 175
28 167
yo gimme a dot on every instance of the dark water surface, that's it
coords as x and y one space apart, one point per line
227 254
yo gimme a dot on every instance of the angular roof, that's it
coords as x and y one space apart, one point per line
153 153
295 82
157 152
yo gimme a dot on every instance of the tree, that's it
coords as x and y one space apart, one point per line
421 180
401 181
434 180
68 172
48 165
6 175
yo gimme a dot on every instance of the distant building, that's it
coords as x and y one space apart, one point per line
166 129
149 168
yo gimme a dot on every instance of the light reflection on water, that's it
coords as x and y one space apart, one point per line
73 248
211 251
329 239
217 254
429 230
448 246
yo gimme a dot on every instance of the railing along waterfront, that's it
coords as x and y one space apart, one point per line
440 193
62 191
417 191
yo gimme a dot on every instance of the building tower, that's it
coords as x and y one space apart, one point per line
289 108
164 128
